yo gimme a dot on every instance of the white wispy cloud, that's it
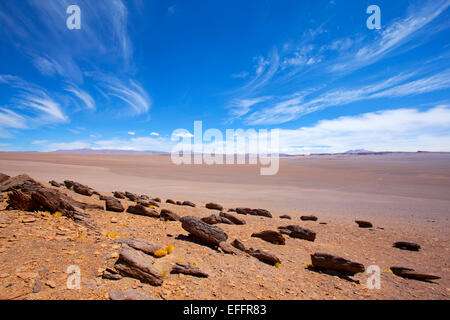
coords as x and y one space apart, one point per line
82 95
394 35
128 91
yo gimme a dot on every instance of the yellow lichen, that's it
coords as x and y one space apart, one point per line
111 235
57 214
180 260
80 235
160 253
277 265
194 263
164 275
150 206
170 248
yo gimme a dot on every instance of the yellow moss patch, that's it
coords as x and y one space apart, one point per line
80 235
57 214
111 235
160 253
170 248
277 265
180 260
194 263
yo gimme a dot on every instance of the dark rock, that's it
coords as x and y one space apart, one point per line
285 216
228 248
284 230
179 203
213 219
148 203
407 246
233 218
83 190
412 274
188 203
136 264
300 233
168 215
119 195
336 263
238 244
111 274
364 224
204 231
142 245
308 218
214 206
264 256
142 211
170 201
54 183
114 205
131 196
254 212
16 182
17 200
104 198
231 210
270 236
129 294
157 200
69 184
188 269
3 177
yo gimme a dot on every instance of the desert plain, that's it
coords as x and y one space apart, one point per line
406 196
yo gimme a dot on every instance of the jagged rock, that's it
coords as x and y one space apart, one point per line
407 246
264 256
20 201
114 205
142 211
228 248
3 177
136 264
204 231
270 236
214 206
364 224
188 269
213 219
129 294
170 201
254 212
336 263
142 245
131 196
300 233
54 183
119 195
188 203
308 218
233 218
17 182
168 215
285 216
412 274
238 244
69 183
82 189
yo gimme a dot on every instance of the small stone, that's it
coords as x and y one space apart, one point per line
50 283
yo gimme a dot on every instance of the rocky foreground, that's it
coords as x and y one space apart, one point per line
130 246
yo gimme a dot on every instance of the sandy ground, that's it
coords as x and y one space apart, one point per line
406 195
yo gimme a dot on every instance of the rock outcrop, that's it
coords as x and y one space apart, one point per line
270 236
232 218
142 211
412 274
188 269
364 224
299 232
214 206
331 262
209 234
168 215
404 245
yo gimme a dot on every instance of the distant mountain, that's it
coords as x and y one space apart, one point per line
106 151
358 151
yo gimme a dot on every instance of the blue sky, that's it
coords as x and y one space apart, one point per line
138 70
